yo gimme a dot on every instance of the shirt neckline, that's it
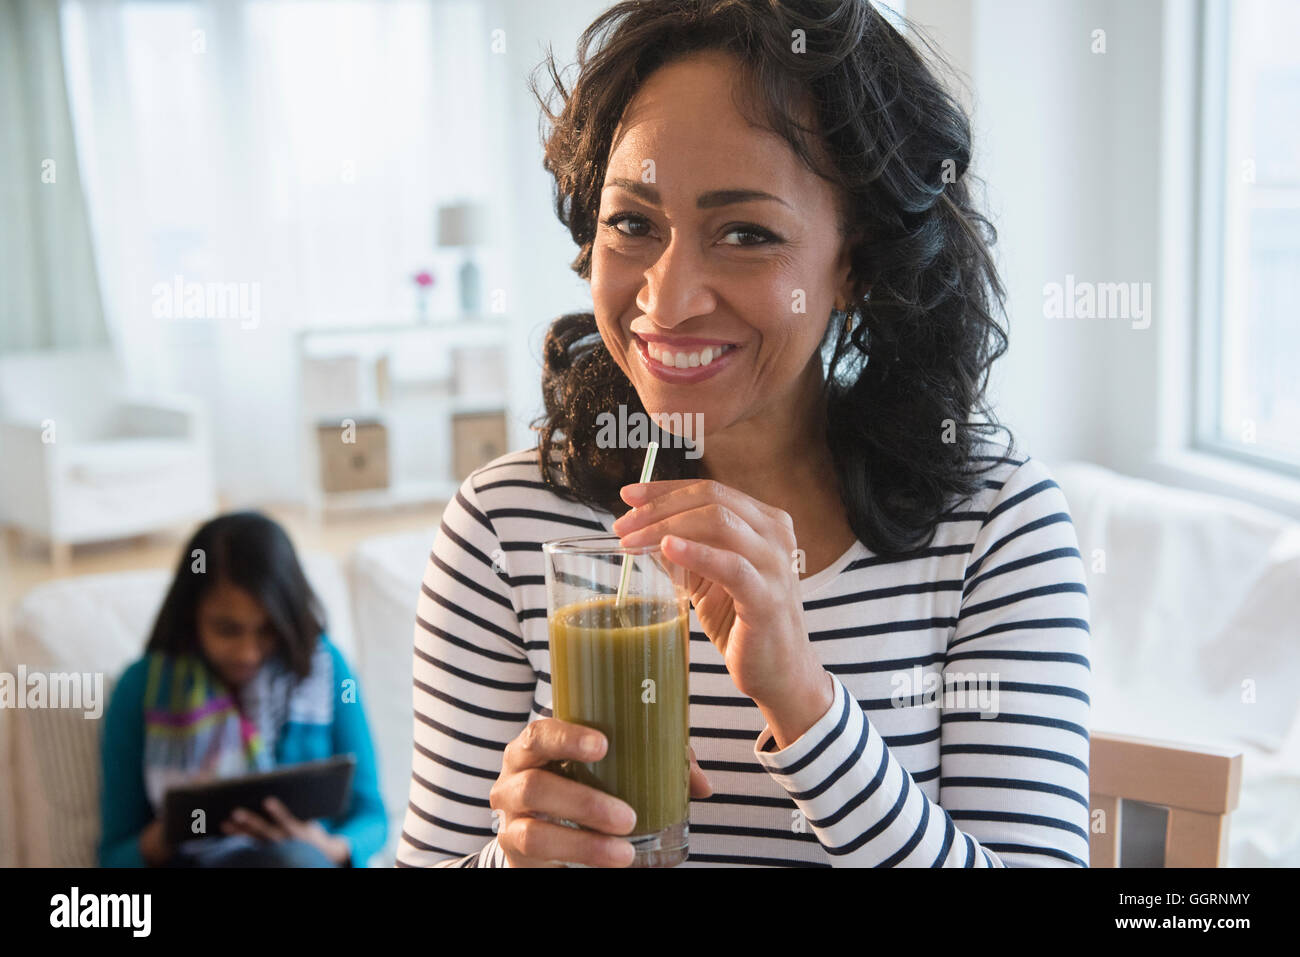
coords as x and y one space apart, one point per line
813 583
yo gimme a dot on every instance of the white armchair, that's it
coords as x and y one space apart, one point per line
83 460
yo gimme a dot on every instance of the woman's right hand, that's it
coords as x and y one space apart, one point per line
153 846
527 793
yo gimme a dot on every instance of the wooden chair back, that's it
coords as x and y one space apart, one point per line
1199 785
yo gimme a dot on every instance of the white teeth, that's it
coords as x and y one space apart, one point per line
685 360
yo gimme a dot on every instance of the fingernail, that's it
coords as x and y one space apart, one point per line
632 493
591 744
624 817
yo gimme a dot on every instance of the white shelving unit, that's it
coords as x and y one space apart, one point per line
406 377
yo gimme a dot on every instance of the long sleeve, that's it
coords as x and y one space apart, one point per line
473 692
1013 784
124 807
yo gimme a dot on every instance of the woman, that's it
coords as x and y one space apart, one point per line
238 676
771 207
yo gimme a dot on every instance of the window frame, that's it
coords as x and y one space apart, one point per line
1213 44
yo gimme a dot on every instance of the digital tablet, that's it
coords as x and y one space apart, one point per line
313 789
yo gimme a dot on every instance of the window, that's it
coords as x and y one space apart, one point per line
301 148
1248 336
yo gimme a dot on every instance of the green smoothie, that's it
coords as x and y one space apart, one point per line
625 672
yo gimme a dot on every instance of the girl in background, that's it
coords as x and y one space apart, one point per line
238 676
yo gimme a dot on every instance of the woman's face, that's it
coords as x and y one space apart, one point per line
717 257
234 632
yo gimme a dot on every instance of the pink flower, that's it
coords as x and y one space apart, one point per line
424 278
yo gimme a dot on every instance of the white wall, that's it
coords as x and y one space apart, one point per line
1067 141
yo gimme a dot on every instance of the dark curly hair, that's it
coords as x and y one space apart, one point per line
907 375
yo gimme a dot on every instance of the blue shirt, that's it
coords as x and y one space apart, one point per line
125 809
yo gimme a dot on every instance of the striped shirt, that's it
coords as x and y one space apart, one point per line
904 769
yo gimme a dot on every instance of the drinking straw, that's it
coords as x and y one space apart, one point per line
646 469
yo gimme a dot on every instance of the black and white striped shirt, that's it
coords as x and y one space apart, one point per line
899 771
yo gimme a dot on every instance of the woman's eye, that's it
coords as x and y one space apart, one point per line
613 223
755 235
761 235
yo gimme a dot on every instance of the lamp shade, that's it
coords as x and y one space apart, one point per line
462 224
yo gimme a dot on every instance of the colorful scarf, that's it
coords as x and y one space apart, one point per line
194 728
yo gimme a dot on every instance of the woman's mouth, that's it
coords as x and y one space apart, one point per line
684 363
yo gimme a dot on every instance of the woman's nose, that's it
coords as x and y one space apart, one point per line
250 651
676 287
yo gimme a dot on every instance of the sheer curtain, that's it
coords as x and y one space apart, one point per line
49 294
293 153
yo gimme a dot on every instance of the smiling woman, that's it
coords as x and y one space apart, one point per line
795 187
770 205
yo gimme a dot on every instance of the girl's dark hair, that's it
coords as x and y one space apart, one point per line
905 383
251 551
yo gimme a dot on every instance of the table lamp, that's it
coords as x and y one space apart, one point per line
464 224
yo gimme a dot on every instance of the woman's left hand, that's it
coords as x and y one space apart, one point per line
739 554
280 825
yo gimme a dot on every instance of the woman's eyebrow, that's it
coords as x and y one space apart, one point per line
709 200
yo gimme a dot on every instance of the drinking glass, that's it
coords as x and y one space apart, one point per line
623 668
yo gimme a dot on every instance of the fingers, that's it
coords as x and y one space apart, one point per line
532 798
539 791
283 817
246 822
710 522
235 825
712 513
652 499
669 497
550 739
700 786
529 791
639 492
732 571
533 842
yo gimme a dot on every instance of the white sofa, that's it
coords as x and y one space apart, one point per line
1195 636
1198 595
384 573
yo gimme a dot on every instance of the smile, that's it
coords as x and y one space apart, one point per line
682 365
